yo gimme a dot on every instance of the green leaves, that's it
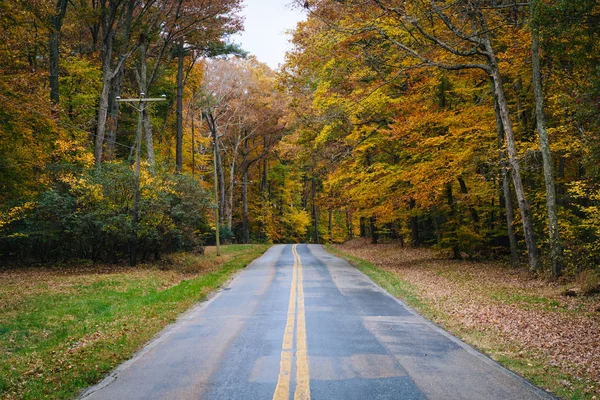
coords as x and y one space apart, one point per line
88 215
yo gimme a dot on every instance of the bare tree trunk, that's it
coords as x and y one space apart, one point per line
315 211
263 182
245 227
505 176
362 227
143 86
112 122
510 217
149 141
193 146
530 240
556 250
102 115
229 210
330 225
108 72
560 189
221 176
179 139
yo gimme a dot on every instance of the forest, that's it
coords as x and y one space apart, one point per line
466 126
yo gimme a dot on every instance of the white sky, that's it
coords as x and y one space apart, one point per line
266 22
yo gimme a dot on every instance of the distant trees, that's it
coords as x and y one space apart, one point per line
241 107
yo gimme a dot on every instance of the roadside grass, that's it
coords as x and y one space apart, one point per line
473 303
64 328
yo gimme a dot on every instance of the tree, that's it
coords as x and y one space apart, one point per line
56 21
556 250
457 37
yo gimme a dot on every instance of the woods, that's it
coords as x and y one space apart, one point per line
71 149
439 120
467 126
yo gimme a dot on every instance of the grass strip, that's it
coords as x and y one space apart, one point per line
390 281
510 355
61 332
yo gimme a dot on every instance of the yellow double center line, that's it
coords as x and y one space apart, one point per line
282 391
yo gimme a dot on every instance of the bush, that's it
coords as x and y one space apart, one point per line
89 215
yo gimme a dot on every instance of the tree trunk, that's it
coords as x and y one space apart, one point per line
330 226
245 227
374 232
149 141
472 210
179 138
315 212
229 210
112 122
108 72
414 226
102 116
362 227
556 250
530 240
221 186
400 234
349 226
193 146
143 86
560 189
55 27
505 176
263 181
454 217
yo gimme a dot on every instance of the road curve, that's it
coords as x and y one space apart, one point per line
299 323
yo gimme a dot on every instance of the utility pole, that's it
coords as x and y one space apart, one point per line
215 152
140 105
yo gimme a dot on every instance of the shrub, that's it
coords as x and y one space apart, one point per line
89 215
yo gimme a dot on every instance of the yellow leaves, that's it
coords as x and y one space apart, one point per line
299 220
15 213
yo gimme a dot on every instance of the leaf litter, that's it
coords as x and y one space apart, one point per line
507 305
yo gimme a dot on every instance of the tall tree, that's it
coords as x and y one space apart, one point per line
456 37
556 250
56 21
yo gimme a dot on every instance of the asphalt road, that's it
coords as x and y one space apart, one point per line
300 323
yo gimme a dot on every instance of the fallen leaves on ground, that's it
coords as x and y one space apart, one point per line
524 311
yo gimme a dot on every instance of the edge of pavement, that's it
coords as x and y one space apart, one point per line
166 332
542 393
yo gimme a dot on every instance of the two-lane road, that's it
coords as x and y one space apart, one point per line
300 323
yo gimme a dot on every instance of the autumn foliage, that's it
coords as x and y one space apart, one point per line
398 117
414 121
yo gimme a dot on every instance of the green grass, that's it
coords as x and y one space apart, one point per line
510 355
63 330
526 301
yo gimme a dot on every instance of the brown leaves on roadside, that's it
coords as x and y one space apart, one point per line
523 311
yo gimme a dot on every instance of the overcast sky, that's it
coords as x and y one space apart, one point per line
266 22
